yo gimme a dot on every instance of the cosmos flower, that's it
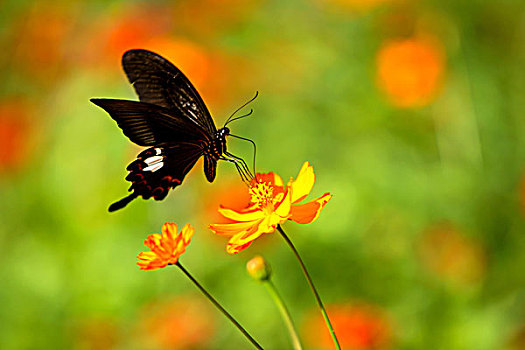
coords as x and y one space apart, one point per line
411 71
358 326
176 323
271 204
451 255
166 248
17 139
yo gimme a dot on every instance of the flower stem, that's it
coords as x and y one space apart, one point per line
312 287
284 313
218 306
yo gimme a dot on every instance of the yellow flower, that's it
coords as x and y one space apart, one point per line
166 248
271 204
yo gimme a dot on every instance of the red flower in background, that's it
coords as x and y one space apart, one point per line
357 326
452 256
39 40
214 16
101 333
16 139
128 27
151 26
410 71
177 323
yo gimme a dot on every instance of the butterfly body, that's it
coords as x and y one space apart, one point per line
170 119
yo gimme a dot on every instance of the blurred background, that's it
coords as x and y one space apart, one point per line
411 113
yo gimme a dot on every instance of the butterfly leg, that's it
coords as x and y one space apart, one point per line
242 163
241 169
241 166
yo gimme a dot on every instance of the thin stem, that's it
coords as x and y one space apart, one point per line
284 314
312 287
218 306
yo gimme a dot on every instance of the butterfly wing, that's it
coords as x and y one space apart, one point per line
171 116
147 125
158 81
159 169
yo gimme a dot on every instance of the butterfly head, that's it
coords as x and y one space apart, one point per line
223 132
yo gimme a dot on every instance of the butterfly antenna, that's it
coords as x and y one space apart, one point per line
241 107
242 116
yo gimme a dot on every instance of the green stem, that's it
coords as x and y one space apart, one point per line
312 287
284 313
218 306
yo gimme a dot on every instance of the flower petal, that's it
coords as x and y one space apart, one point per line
242 216
248 236
271 177
303 184
169 229
283 209
233 229
232 248
308 212
243 240
150 261
187 232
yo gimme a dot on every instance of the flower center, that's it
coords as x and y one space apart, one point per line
262 194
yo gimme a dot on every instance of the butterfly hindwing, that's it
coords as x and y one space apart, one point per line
159 169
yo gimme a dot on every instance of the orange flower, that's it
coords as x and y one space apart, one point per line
181 322
358 327
352 6
410 71
16 134
451 255
166 248
96 332
271 204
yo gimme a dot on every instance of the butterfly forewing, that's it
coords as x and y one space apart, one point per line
147 124
159 82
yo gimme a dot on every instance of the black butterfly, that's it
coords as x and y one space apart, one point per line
173 121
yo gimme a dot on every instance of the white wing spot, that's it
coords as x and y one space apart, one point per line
154 167
153 160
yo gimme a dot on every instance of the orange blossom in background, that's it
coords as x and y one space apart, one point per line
410 71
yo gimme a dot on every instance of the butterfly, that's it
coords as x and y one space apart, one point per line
170 119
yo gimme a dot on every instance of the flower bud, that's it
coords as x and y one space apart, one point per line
258 268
